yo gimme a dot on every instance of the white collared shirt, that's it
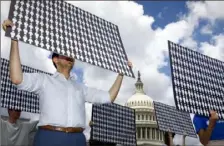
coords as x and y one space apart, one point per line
61 101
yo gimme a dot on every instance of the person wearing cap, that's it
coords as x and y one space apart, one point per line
61 98
209 129
15 132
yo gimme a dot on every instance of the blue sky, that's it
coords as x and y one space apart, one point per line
168 12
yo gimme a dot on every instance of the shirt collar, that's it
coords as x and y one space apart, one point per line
56 74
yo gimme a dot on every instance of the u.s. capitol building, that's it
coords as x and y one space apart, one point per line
147 132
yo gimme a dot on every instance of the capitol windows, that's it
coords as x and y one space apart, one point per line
153 133
142 117
161 135
143 133
146 117
157 134
148 133
138 117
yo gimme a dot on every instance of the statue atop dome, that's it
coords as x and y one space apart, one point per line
139 84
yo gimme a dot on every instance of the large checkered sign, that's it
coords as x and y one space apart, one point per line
60 27
17 99
170 119
198 81
113 123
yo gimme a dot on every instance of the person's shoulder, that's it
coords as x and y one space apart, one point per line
47 76
3 121
29 123
37 74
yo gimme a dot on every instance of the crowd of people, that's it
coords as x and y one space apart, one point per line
62 106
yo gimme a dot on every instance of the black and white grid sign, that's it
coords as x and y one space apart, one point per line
113 123
169 119
17 99
198 81
60 27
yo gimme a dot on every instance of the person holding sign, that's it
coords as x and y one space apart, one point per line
15 132
210 130
62 99
168 138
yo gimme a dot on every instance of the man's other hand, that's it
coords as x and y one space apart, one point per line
6 23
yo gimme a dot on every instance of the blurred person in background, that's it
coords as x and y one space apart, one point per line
15 132
169 136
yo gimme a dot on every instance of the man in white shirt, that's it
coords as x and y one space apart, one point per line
15 132
62 100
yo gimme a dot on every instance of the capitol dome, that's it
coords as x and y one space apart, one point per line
147 132
140 99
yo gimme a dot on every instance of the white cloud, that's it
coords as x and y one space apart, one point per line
215 49
189 43
208 10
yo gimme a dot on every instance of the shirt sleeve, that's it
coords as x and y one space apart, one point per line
32 126
199 123
32 82
93 95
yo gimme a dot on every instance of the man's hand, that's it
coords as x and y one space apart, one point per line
90 123
6 23
130 65
213 118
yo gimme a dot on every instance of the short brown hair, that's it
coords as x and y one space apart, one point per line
54 55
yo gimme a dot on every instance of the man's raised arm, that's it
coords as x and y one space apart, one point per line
14 63
32 82
117 85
